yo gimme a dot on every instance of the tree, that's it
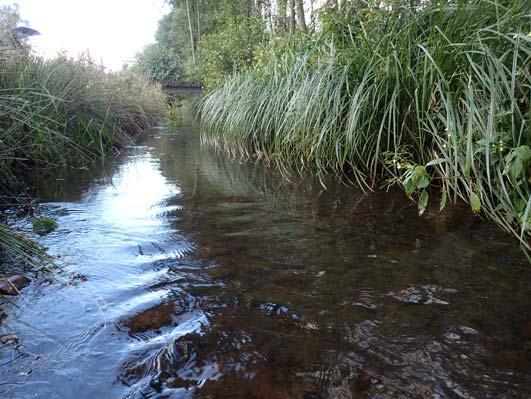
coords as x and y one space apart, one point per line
192 41
300 15
282 14
291 22
229 50
213 38
159 63
9 20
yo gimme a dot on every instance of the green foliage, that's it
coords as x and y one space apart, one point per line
207 40
65 111
446 84
229 50
416 179
518 165
172 32
44 225
20 246
159 63
475 202
9 20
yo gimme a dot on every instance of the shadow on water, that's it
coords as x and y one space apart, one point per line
189 274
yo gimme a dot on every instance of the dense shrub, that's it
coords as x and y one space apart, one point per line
159 63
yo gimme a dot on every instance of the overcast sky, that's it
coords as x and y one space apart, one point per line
113 31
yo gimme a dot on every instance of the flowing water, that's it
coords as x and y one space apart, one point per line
187 274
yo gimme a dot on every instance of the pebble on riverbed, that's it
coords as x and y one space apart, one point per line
13 284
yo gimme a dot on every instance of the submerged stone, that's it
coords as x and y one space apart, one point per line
151 319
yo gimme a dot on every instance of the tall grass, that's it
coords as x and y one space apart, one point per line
427 97
63 112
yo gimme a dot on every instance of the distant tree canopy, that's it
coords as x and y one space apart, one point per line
229 50
159 62
9 21
212 39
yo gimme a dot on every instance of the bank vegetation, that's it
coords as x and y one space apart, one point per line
61 112
434 96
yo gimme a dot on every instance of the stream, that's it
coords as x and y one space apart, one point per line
185 273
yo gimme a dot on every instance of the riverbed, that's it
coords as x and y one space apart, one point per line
185 273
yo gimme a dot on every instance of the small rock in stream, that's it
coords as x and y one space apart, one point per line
13 284
361 382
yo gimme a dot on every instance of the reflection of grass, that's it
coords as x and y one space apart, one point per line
431 97
207 171
178 106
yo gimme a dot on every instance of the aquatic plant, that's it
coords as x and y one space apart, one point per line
429 96
44 225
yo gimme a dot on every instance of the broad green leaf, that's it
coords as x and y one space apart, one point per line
524 153
423 202
423 181
436 161
421 177
517 167
475 202
410 187
443 200
408 183
519 204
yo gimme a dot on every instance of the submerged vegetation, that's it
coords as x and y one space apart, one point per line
44 225
62 112
434 97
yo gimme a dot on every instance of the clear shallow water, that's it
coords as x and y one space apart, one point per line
190 275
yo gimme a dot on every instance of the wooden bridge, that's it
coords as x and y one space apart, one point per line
173 86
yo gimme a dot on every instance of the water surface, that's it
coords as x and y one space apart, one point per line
187 274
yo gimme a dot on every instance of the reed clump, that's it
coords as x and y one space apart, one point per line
64 112
433 96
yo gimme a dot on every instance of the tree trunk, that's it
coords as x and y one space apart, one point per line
282 13
267 15
259 8
300 15
291 16
198 20
192 42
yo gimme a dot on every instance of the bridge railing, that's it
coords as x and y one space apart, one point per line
195 84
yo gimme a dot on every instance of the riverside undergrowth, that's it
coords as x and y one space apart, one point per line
433 96
63 113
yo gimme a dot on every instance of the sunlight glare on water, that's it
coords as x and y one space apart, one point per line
135 196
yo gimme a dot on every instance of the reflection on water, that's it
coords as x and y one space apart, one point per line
190 274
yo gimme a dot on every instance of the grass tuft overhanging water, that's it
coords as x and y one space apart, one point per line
434 97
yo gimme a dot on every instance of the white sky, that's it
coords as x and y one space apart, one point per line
113 31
